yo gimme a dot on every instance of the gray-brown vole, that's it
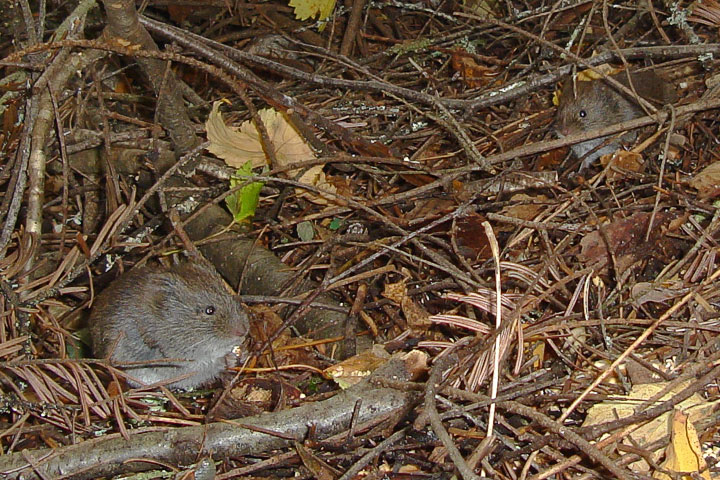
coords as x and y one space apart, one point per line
595 104
182 312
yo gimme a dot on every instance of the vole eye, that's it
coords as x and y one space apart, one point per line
209 310
582 114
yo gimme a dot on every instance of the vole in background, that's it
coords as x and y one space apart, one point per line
592 105
182 312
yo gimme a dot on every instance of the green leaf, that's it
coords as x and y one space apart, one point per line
335 224
243 203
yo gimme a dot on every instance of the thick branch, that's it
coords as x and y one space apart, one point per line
114 455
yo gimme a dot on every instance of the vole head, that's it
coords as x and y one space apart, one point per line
589 106
198 313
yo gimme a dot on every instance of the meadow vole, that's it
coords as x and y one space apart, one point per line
595 104
182 312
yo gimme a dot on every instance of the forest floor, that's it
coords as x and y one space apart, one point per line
368 185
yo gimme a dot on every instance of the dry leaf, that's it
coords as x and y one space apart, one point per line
350 371
626 238
576 341
684 453
624 406
438 455
644 292
410 469
707 182
552 159
474 74
525 207
395 291
417 317
623 160
482 8
471 238
316 177
638 373
428 207
236 146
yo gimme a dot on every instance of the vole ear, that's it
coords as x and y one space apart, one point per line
565 92
159 298
169 292
195 261
213 275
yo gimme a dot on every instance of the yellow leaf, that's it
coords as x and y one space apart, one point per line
305 9
538 351
683 455
587 76
624 406
350 371
590 75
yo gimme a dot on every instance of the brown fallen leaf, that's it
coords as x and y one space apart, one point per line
525 207
417 317
624 161
626 238
644 292
472 240
707 182
552 159
473 74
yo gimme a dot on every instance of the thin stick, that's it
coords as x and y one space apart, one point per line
498 321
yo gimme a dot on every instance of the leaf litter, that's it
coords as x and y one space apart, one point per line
590 263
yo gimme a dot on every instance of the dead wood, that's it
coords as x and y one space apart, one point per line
113 455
